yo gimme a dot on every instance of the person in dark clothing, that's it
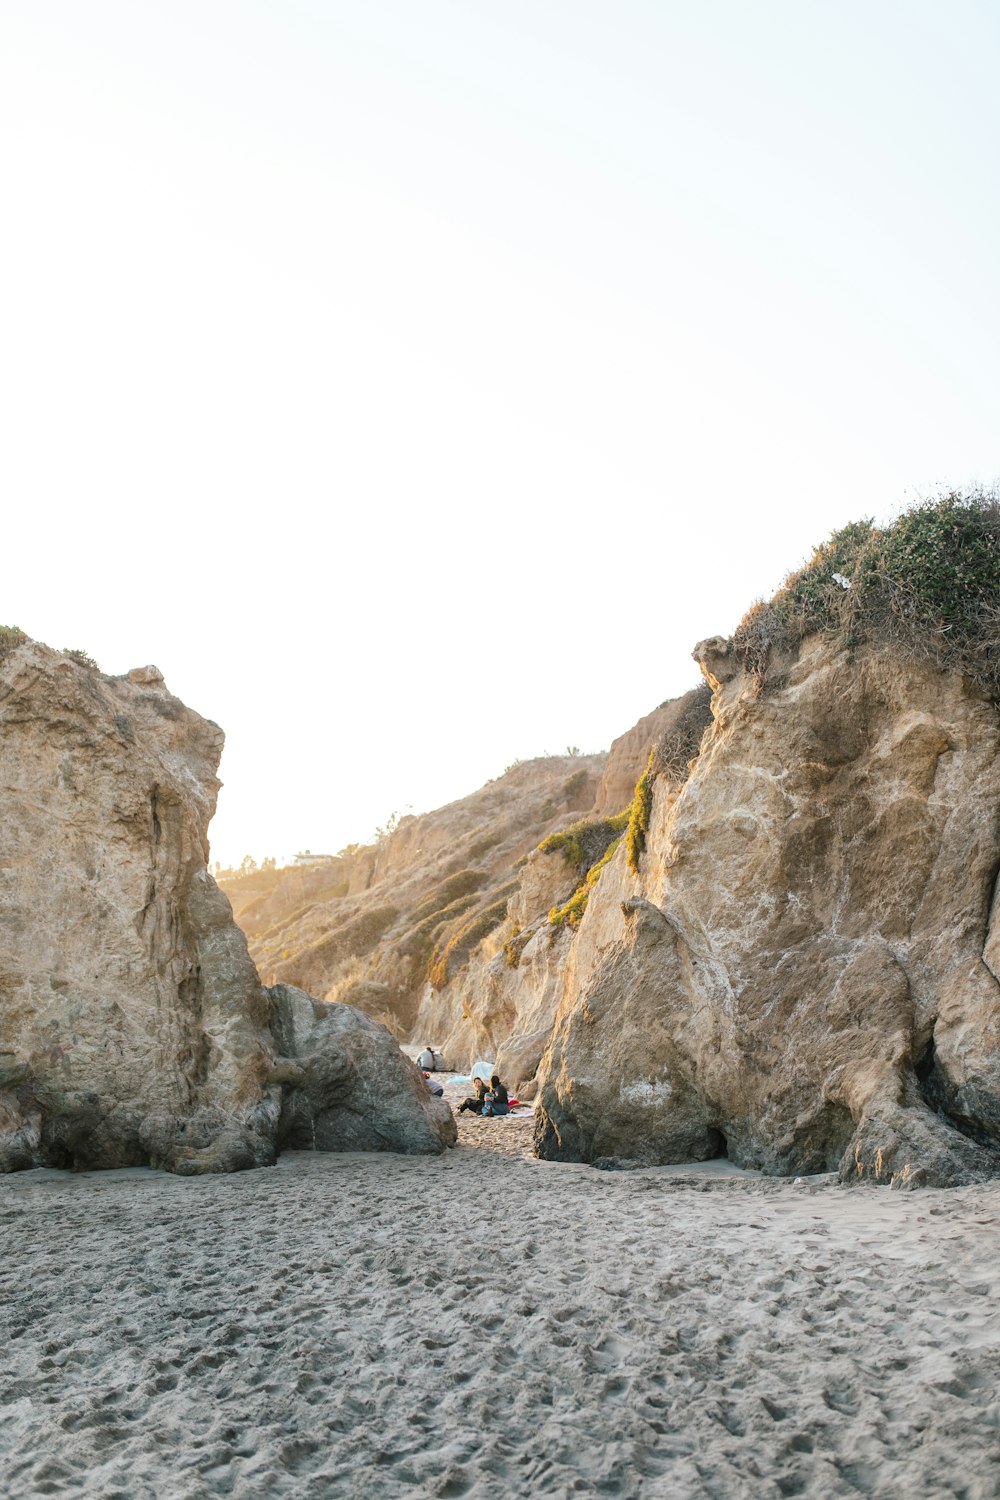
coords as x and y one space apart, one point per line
437 1089
496 1101
474 1104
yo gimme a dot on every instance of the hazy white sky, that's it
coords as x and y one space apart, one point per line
415 381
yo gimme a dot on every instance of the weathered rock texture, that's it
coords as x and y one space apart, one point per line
133 1025
804 970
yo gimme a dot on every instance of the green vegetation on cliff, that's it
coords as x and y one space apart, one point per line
927 584
571 914
587 846
590 845
584 842
639 811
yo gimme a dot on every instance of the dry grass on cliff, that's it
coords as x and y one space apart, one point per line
926 586
680 744
11 636
456 948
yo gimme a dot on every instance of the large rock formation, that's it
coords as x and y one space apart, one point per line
804 971
503 1004
133 1026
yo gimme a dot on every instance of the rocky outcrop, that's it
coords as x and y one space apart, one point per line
502 1005
803 971
133 1026
793 955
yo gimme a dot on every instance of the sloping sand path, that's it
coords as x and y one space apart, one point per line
480 1324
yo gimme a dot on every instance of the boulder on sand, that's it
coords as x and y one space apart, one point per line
346 1084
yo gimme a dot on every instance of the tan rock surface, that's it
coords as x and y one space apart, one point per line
132 1022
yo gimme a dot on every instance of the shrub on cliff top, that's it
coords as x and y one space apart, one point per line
927 584
81 658
11 636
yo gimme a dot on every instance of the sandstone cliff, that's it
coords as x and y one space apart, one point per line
502 1004
801 974
791 955
133 1026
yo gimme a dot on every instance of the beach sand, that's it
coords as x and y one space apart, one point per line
484 1324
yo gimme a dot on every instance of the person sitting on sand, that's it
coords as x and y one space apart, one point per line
474 1104
436 1088
496 1100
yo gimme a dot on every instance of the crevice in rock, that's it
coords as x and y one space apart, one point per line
155 821
941 1096
925 1063
195 1061
990 907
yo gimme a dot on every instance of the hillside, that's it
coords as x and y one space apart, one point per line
398 927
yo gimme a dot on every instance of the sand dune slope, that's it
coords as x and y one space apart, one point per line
482 1324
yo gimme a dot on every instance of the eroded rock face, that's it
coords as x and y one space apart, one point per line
803 973
502 1006
133 1026
132 1023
